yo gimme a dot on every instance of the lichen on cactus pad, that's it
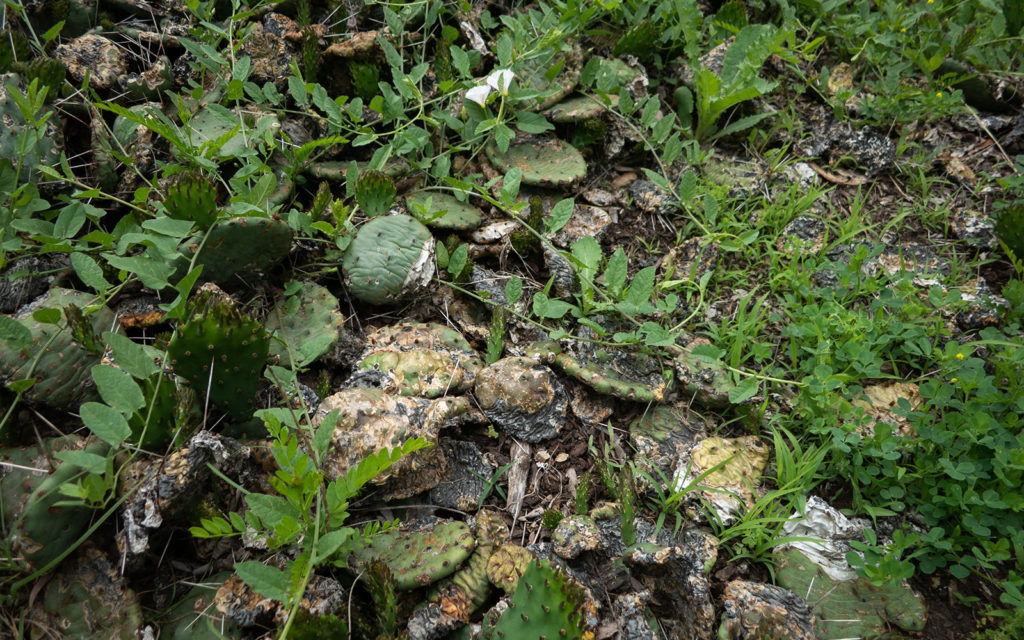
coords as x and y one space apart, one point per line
544 161
220 351
62 371
389 259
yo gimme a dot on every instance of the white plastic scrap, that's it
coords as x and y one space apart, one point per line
832 530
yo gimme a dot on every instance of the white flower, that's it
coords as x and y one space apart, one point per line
478 94
499 80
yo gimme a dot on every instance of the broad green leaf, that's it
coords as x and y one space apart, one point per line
744 390
588 252
641 289
89 272
89 461
169 226
118 389
510 184
130 355
458 259
615 273
559 216
47 316
460 60
15 333
271 509
105 422
657 336
324 433
513 289
265 580
545 307
530 122
708 353
332 541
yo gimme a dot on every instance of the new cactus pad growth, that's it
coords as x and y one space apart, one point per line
506 565
375 191
49 353
222 350
417 558
192 196
35 528
390 257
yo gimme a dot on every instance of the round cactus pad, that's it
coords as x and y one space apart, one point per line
389 257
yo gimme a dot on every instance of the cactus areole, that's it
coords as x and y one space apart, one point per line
390 258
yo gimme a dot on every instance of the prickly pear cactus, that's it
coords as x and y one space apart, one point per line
304 325
615 372
375 191
88 599
194 619
365 77
220 349
850 609
1010 230
442 211
417 558
21 143
239 250
545 605
506 565
469 587
61 372
35 529
390 258
192 196
49 71
545 162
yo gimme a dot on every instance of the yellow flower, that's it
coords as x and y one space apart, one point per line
903 30
938 95
959 356
931 1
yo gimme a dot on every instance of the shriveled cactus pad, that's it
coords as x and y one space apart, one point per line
304 325
415 359
418 557
390 257
547 162
371 420
850 609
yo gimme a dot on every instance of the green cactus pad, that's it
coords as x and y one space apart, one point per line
37 531
850 609
534 75
88 599
546 604
579 108
417 558
239 250
194 619
442 211
708 383
22 143
192 196
375 191
306 324
336 170
389 258
1010 230
62 372
217 334
546 162
208 125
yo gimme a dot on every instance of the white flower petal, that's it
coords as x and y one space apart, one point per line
501 80
478 94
